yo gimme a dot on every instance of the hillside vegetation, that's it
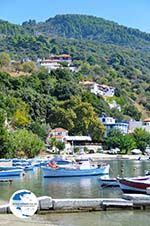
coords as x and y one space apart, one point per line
102 48
104 51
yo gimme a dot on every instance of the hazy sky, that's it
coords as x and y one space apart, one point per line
132 13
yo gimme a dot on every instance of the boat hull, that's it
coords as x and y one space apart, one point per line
110 182
134 186
66 172
9 173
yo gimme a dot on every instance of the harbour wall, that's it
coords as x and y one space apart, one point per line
49 205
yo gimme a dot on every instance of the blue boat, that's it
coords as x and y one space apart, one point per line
60 161
74 171
11 172
28 168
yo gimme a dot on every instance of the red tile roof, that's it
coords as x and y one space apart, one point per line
147 120
59 130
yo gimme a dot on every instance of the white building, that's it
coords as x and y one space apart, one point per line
114 104
56 61
58 133
139 124
99 89
50 65
110 123
61 134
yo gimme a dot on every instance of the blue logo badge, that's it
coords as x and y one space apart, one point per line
23 204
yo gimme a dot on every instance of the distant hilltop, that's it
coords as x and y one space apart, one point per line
80 27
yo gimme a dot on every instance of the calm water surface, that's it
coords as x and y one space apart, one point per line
77 187
108 218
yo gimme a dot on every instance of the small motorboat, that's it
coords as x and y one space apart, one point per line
61 161
82 169
108 182
134 185
11 172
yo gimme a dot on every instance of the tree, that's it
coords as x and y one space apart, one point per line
60 146
55 50
41 129
86 121
24 144
142 138
61 117
29 67
91 60
20 118
17 66
115 139
127 143
4 59
56 144
3 134
132 111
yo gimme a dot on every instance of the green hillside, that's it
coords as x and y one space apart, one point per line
105 52
90 28
35 101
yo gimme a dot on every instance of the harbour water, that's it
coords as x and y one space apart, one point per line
108 218
77 187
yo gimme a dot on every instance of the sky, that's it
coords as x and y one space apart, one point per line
131 13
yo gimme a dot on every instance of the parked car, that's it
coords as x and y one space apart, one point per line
114 151
136 152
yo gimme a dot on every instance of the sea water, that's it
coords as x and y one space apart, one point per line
77 187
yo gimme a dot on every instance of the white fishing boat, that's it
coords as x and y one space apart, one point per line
83 169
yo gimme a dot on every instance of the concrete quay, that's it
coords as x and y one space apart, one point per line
49 205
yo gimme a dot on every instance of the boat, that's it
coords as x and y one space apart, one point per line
147 173
134 185
11 172
61 161
28 168
108 182
72 170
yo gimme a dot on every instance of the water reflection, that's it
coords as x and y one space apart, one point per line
113 218
71 187
104 218
76 187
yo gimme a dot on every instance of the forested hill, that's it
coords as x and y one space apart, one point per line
91 28
10 29
107 52
81 27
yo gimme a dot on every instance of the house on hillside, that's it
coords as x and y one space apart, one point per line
99 89
50 64
58 61
110 123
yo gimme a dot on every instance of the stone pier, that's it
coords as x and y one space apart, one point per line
48 204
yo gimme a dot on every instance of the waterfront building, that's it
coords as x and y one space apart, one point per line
61 134
110 123
58 133
122 126
145 124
